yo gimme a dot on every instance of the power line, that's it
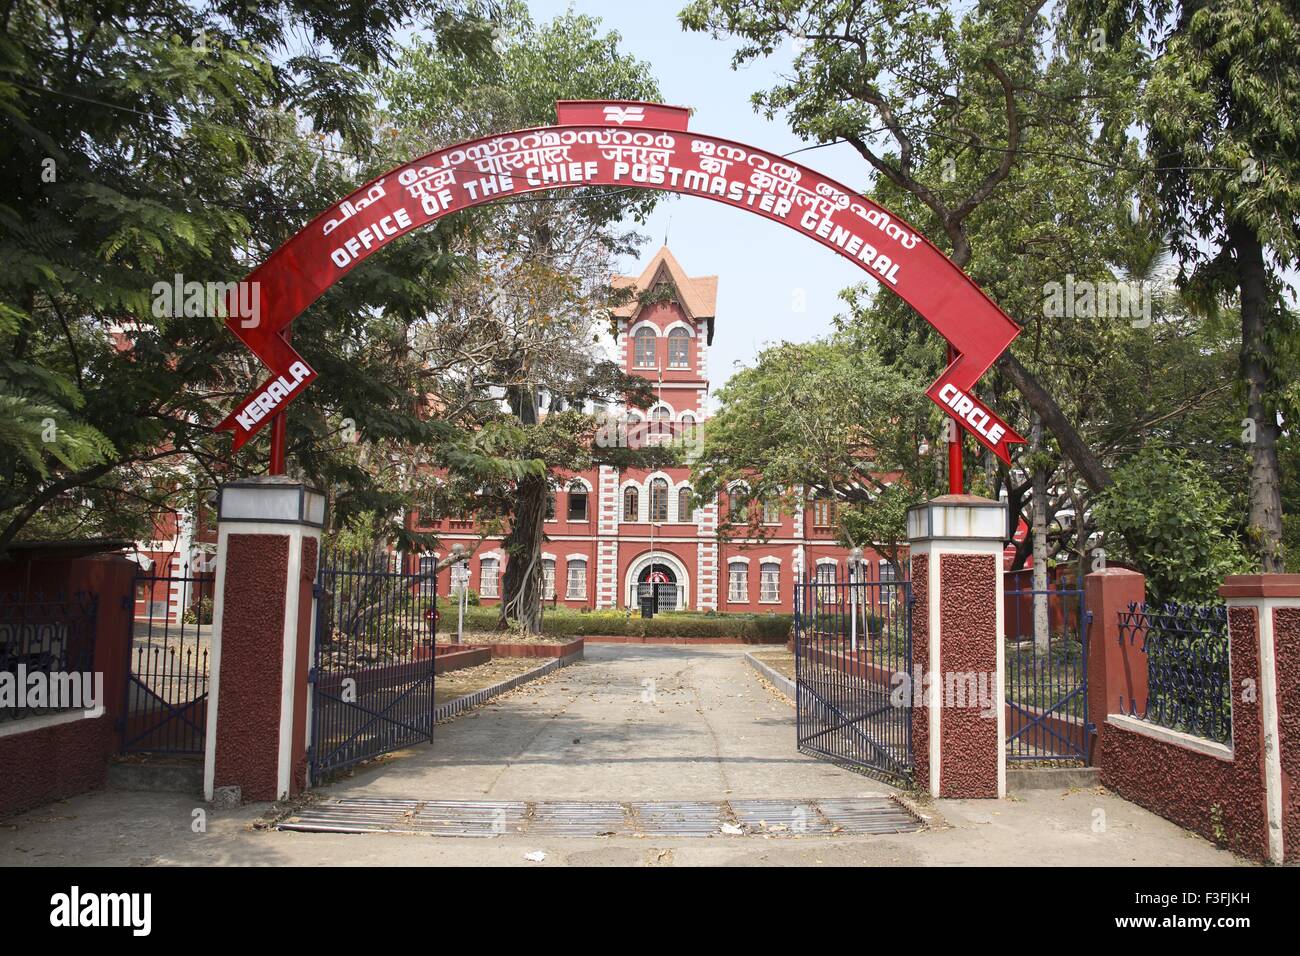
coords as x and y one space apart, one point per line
1000 148
1028 151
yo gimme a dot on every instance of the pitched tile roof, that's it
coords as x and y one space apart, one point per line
698 295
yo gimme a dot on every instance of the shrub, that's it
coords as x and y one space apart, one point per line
1172 520
199 613
619 623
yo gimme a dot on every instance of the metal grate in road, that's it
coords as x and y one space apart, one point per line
576 818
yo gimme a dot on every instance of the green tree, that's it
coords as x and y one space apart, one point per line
947 106
1221 103
822 419
146 139
1168 516
515 357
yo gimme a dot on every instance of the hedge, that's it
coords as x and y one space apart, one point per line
752 628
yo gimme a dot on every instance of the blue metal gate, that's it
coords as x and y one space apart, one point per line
851 640
372 674
1047 675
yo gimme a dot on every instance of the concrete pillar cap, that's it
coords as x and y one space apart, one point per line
963 517
1260 586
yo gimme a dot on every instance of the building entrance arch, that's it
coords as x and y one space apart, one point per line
660 574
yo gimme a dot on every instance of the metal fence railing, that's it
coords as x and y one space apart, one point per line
1046 649
1188 685
53 637
372 674
853 646
165 710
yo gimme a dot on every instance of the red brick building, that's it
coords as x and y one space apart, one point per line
612 531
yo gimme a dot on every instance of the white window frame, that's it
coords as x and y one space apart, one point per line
645 334
484 580
682 335
687 516
582 489
775 596
733 565
666 487
548 579
570 565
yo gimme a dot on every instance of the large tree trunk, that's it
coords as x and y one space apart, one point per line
521 588
1257 364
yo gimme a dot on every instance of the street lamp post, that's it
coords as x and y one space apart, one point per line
855 562
459 575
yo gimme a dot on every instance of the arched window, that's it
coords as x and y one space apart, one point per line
823 513
684 508
660 425
576 581
577 502
428 575
769 582
738 512
550 506
643 348
827 590
679 348
631 505
771 511
659 500
487 577
548 578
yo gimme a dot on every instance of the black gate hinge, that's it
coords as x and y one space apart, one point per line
128 602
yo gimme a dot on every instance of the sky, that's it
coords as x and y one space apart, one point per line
766 271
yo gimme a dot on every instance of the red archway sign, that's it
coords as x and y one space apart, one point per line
621 144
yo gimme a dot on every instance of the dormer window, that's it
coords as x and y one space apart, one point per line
643 348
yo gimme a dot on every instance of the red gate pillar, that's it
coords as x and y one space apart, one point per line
268 542
959 693
1117 664
1264 643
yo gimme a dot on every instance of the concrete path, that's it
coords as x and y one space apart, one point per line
632 722
649 723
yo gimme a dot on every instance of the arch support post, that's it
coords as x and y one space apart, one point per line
268 544
958 659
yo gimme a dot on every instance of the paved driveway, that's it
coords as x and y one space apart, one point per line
639 722
629 723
